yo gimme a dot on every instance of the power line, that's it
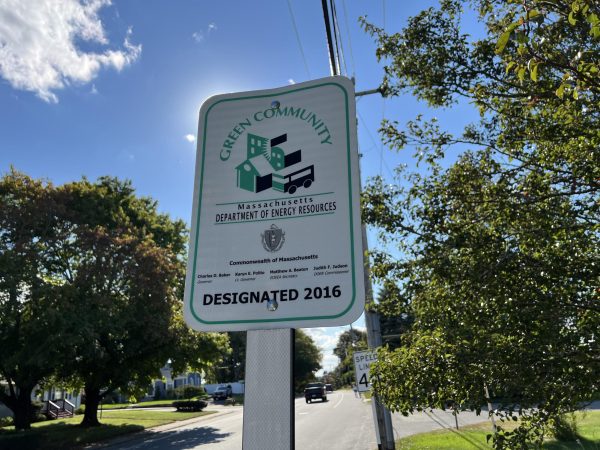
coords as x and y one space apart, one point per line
332 63
337 24
375 145
349 40
336 33
382 100
298 38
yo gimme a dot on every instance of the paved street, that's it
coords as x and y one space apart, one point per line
343 423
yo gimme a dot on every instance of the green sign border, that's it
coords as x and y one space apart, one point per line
348 150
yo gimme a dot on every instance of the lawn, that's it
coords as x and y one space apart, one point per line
474 437
64 433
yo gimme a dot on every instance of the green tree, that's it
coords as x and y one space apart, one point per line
498 252
92 289
232 362
307 359
196 351
393 324
123 264
31 306
348 342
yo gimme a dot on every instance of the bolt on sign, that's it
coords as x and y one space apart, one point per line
276 235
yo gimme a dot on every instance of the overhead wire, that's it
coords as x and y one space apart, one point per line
374 142
335 38
298 38
382 100
332 57
349 40
337 33
335 63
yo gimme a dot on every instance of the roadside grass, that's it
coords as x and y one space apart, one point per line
65 433
474 437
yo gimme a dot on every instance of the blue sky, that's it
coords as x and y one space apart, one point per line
100 88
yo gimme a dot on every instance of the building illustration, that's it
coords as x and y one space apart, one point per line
265 163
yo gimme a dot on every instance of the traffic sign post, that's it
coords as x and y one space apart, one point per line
269 397
275 242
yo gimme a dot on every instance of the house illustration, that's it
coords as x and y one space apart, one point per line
264 158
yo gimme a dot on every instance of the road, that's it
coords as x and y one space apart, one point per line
345 422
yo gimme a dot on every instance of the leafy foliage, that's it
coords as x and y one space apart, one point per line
348 342
499 251
91 288
307 359
31 306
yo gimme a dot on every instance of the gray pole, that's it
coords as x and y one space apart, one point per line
384 421
374 339
269 396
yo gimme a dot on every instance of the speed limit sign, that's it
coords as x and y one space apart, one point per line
362 367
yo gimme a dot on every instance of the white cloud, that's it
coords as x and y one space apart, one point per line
38 49
291 81
200 36
326 339
190 138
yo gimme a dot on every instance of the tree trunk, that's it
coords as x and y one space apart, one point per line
22 409
92 400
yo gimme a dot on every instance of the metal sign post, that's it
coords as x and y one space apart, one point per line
269 399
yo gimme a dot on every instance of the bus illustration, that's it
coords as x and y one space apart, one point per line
291 182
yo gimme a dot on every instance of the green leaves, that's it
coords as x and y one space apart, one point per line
504 38
93 286
492 244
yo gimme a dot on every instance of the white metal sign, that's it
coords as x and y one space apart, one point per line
362 368
276 236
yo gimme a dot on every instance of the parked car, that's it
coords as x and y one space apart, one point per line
315 390
222 392
328 387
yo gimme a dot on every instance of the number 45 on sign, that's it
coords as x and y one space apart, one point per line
362 367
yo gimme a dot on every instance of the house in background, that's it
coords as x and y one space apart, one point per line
170 382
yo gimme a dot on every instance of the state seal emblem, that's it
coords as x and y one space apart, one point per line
273 238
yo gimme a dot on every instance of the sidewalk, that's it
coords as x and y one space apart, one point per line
217 411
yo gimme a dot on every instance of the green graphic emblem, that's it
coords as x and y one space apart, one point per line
264 167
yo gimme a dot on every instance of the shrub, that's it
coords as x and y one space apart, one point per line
189 391
193 391
190 405
6 421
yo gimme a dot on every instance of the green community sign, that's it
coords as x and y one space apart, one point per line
276 234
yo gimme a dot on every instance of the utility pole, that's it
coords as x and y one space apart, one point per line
374 339
385 432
